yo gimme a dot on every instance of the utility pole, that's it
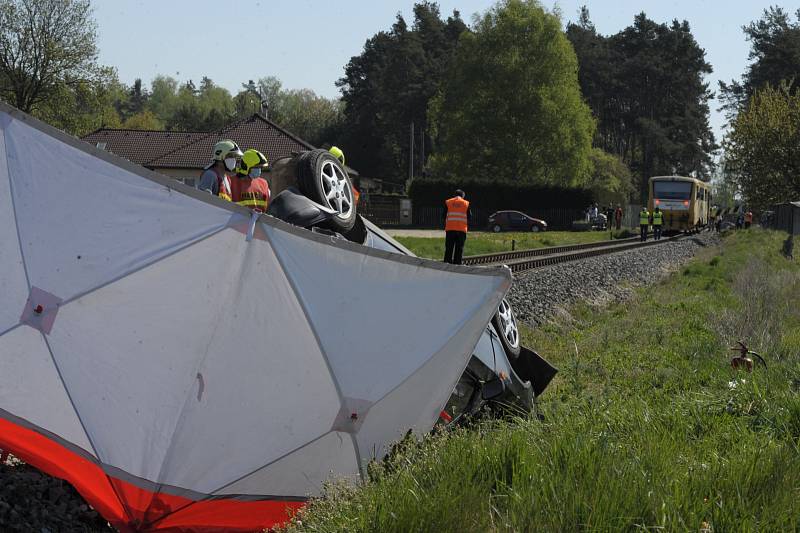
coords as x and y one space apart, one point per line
411 154
422 151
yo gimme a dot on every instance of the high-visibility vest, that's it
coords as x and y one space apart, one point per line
252 193
223 185
644 217
457 209
658 218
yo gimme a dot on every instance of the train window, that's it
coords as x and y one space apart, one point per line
672 190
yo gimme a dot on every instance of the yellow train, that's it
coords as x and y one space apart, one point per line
685 202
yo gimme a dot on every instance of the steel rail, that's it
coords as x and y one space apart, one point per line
555 257
503 257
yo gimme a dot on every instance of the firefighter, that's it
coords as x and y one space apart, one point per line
658 221
216 176
248 188
456 217
644 222
339 154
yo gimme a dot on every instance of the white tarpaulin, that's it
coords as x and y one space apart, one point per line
187 366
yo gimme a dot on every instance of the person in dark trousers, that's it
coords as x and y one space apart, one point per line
658 221
456 220
644 222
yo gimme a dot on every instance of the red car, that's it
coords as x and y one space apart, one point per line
515 221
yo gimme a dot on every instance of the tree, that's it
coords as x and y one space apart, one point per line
762 149
311 117
389 86
143 121
775 56
163 99
306 114
511 107
611 179
134 101
44 44
81 106
645 86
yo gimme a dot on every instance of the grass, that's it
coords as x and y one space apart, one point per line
486 243
647 426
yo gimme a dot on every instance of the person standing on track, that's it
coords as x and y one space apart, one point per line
644 222
658 221
456 220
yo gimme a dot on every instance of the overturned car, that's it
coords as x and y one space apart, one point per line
314 191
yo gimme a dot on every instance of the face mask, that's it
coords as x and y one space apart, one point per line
255 172
230 163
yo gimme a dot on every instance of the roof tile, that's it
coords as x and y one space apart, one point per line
140 146
254 131
192 150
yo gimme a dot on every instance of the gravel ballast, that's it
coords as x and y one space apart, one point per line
537 295
34 502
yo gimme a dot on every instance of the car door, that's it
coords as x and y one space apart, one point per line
518 221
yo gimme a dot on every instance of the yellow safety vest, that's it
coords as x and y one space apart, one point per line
658 218
644 217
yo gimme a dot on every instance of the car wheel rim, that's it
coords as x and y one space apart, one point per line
535 229
508 324
496 229
338 196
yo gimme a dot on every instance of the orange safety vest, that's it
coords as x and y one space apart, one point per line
224 185
253 193
457 209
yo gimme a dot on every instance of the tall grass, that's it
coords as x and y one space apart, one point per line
647 427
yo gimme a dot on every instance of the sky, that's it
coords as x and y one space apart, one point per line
307 43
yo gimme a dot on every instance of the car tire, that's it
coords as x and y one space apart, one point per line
322 178
496 228
505 323
535 228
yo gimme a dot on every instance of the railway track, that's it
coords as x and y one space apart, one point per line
522 260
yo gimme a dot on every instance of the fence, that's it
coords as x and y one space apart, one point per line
557 219
385 210
381 210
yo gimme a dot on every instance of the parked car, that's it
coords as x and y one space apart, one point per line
500 373
515 221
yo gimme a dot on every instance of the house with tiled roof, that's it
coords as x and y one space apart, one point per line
182 155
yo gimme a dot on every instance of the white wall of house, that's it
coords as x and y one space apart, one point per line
189 176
